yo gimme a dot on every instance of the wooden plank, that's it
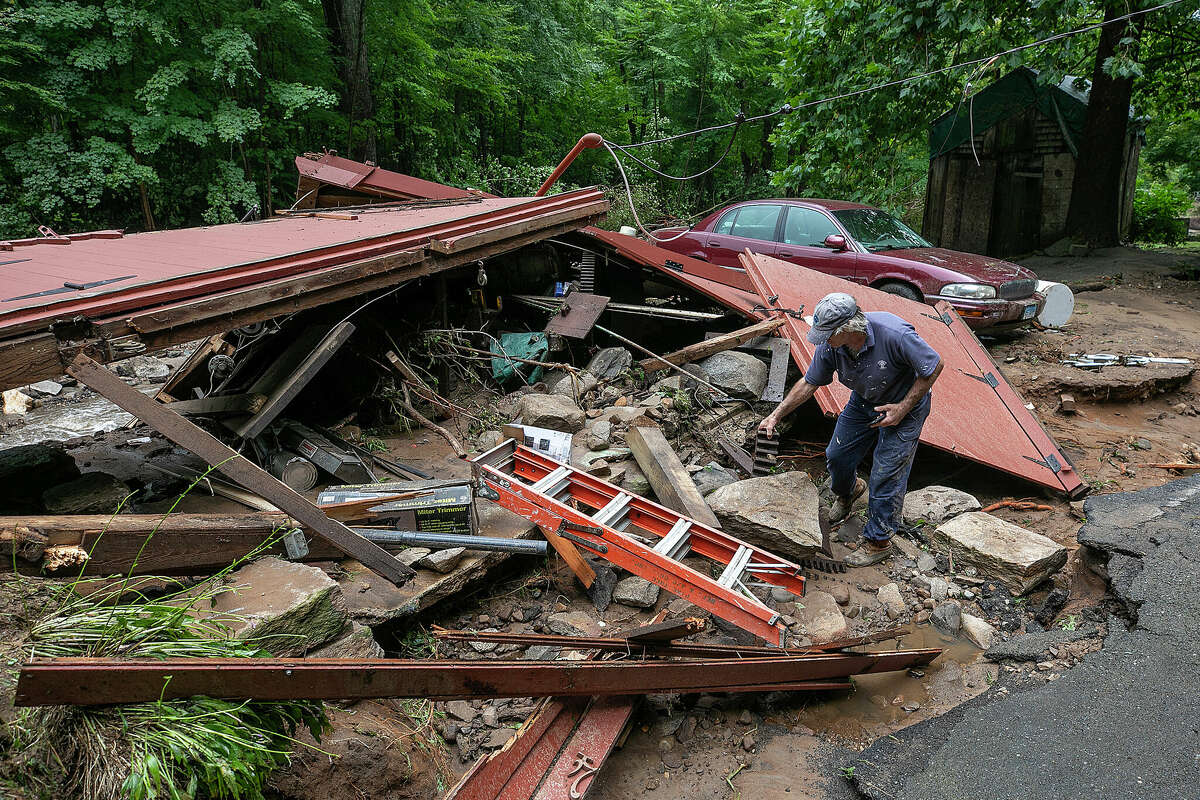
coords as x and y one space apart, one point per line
671 482
781 357
286 390
666 631
577 314
185 434
248 403
717 344
495 233
148 544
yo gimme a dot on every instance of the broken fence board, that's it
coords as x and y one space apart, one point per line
190 437
671 482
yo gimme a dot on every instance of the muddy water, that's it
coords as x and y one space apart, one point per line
877 704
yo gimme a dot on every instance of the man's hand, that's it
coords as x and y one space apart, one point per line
767 426
892 414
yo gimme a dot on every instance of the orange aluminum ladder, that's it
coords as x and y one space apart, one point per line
637 535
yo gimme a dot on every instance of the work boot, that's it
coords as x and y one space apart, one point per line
842 505
870 552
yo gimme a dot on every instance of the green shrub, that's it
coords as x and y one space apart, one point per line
1157 207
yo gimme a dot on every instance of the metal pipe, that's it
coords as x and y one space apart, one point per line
588 140
497 544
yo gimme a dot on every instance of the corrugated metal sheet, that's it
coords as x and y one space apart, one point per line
337 171
971 417
146 269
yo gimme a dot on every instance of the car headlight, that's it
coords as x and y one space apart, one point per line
971 291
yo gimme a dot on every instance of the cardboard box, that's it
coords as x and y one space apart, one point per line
448 508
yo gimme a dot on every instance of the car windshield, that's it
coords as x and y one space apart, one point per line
878 230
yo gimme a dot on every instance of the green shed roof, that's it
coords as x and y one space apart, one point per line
1009 95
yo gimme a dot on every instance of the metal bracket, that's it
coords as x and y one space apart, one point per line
675 265
946 319
1051 463
987 378
564 530
295 545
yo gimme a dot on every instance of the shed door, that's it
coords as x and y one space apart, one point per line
1017 216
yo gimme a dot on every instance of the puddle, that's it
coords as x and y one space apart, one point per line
877 703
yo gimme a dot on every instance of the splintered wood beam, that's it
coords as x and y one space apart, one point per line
717 344
671 482
231 464
146 544
248 403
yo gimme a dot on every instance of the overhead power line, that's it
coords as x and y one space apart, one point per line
613 148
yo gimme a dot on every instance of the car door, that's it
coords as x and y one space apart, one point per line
752 225
802 241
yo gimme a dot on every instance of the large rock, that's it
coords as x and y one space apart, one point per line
1010 554
933 505
821 617
358 642
777 513
636 592
574 386
890 598
609 363
572 623
90 493
443 561
634 481
27 471
712 477
551 411
44 389
287 608
947 618
737 374
147 368
978 630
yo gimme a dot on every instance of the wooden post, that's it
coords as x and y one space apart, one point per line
717 344
671 482
187 435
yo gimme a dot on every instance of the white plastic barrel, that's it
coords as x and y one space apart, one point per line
628 230
1060 304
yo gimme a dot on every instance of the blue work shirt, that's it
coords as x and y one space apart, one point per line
887 366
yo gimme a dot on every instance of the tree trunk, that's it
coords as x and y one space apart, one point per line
1095 211
346 21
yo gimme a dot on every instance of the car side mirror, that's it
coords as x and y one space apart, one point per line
835 241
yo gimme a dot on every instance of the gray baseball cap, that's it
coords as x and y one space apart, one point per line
832 312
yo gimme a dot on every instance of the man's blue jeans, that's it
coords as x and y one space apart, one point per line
895 448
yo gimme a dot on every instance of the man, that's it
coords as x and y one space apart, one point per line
889 369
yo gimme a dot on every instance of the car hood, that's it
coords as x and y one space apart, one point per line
982 268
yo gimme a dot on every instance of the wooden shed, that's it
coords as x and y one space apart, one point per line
1001 164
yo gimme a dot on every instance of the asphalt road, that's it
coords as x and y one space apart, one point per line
1124 723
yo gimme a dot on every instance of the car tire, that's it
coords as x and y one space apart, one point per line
901 289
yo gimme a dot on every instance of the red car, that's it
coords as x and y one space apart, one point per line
868 246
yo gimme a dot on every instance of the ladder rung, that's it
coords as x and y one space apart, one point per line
735 568
615 508
676 544
550 479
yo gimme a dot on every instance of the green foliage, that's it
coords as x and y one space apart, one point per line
162 114
1157 207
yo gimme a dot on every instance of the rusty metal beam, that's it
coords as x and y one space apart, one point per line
647 648
187 435
99 681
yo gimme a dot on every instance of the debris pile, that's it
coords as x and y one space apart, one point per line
486 485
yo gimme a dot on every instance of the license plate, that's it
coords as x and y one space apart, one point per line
1029 312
